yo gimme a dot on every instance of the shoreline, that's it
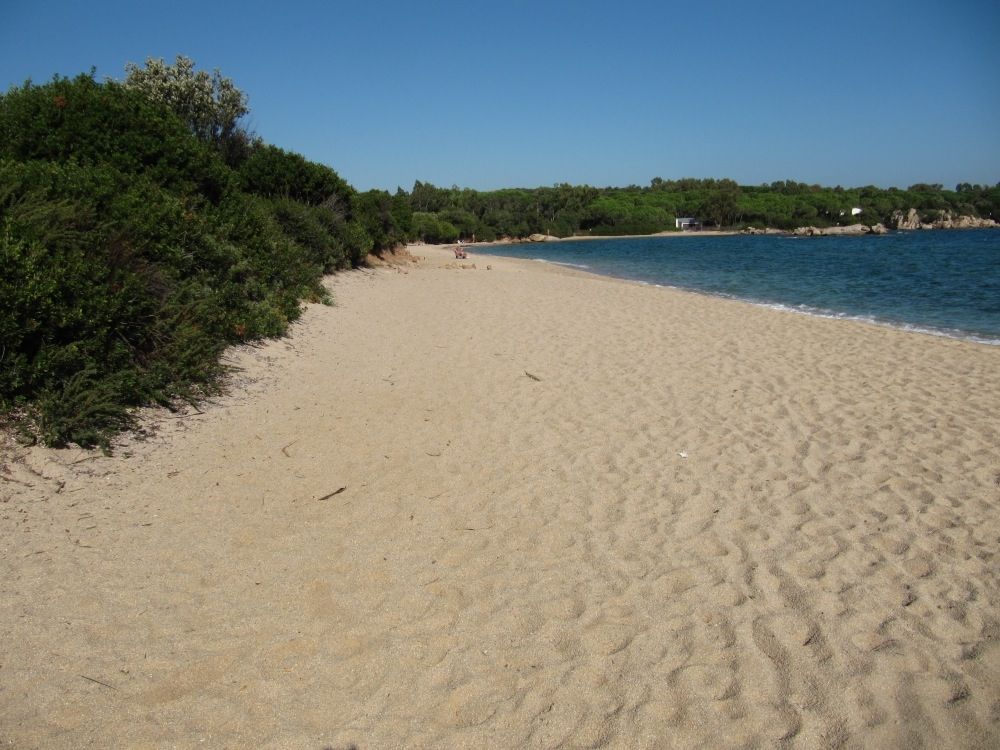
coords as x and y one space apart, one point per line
499 503
902 326
587 238
768 231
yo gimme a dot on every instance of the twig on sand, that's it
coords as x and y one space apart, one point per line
194 413
432 454
98 682
335 492
533 377
285 448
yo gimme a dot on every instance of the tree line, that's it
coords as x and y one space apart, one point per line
447 214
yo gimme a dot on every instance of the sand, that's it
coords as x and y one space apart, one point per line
524 507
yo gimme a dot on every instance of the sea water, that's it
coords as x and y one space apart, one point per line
936 281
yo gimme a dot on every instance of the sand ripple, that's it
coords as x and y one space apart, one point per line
699 524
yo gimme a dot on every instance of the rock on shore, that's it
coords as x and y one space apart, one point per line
853 229
900 220
911 220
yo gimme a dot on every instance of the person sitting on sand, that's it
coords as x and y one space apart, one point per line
460 252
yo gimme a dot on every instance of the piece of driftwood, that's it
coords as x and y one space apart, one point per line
335 492
98 682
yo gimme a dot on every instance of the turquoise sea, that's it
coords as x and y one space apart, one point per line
938 281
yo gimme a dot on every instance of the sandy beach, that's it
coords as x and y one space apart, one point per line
498 504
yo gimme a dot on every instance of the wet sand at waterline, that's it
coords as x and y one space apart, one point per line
524 507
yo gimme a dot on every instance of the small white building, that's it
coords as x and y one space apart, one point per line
687 223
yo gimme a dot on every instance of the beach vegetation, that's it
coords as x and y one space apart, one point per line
134 248
272 172
376 211
209 104
428 227
566 210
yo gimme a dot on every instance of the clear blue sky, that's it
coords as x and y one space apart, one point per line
511 93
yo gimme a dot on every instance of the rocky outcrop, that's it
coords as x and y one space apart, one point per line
853 229
541 238
766 230
911 220
948 221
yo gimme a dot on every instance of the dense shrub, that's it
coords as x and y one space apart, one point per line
429 228
130 255
94 303
209 105
317 229
382 217
275 173
402 215
93 123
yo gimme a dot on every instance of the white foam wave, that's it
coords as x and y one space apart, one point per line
951 333
816 312
561 263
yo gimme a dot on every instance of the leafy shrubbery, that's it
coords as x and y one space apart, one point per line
384 218
429 228
132 254
273 172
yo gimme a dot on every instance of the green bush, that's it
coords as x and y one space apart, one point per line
99 290
485 233
429 228
316 229
93 123
130 257
357 241
274 173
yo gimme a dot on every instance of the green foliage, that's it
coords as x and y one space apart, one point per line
358 242
130 257
376 211
486 233
428 199
275 173
93 123
82 410
464 221
402 214
316 229
565 210
721 207
428 227
210 105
